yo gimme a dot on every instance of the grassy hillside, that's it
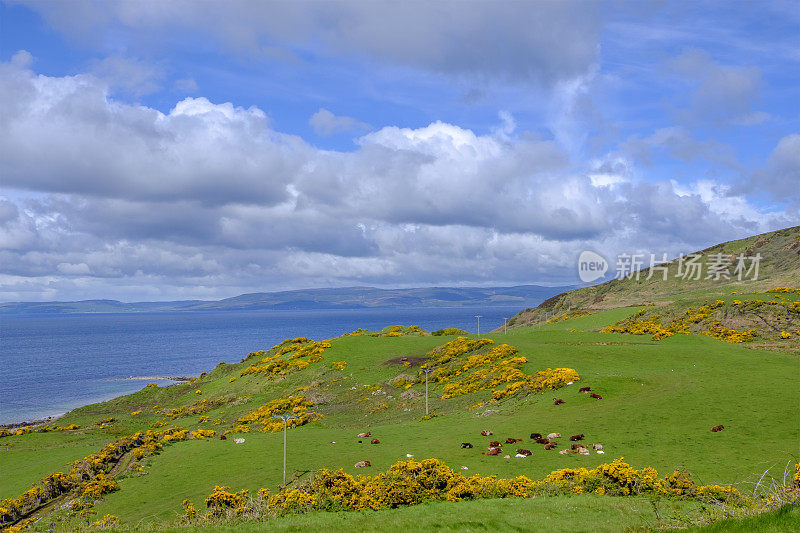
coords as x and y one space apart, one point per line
659 400
748 306
667 370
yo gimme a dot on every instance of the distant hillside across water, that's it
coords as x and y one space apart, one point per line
336 298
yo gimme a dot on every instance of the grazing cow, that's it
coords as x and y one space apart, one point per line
363 435
494 451
526 453
584 389
717 428
374 441
512 440
558 401
494 444
363 464
577 446
597 446
595 396
564 452
542 440
552 436
223 437
550 445
576 437
466 445
535 436
486 433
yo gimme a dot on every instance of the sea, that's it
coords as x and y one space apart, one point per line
51 364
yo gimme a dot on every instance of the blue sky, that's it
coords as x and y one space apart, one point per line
160 150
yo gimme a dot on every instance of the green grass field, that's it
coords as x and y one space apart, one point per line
660 400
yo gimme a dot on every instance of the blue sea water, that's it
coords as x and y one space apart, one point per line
50 364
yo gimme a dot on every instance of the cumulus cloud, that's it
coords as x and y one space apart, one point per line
326 123
545 42
209 200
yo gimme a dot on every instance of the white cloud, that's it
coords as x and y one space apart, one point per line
209 200
128 75
546 42
326 123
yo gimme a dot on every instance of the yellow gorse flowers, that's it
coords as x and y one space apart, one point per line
465 369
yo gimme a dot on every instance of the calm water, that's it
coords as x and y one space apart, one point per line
51 364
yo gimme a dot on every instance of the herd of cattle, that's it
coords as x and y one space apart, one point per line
548 442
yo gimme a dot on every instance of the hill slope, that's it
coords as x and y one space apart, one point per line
671 297
656 399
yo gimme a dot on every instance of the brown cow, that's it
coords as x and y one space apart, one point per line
542 440
512 440
576 437
363 435
223 437
536 436
494 444
374 441
595 396
485 433
494 451
550 445
526 453
584 389
717 428
362 464
558 401
578 446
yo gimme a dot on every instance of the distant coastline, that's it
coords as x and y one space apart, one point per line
347 298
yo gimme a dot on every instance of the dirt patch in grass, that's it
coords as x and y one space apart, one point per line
413 360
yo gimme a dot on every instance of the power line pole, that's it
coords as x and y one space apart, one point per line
285 419
505 324
427 371
479 323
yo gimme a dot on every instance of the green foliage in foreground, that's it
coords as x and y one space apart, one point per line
659 401
785 519
557 513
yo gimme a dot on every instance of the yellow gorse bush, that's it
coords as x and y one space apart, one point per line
465 369
690 318
567 316
413 482
221 499
296 404
290 356
88 477
784 290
